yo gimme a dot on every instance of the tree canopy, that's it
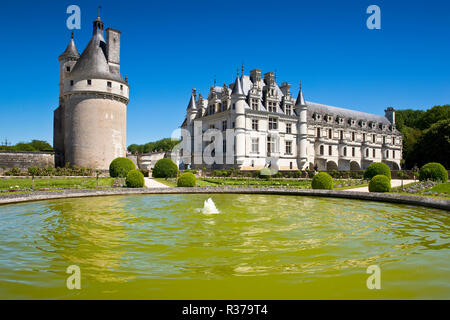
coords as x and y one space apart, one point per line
165 144
33 146
426 135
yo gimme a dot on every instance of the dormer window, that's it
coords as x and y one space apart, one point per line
288 109
272 106
254 104
89 82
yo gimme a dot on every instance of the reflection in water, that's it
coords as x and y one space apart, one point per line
149 246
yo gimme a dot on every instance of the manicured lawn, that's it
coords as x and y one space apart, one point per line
424 189
169 183
53 183
440 188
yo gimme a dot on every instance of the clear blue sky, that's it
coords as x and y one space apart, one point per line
168 47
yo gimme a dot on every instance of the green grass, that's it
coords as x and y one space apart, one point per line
169 183
433 192
52 183
440 188
352 187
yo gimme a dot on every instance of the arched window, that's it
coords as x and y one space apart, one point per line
345 151
321 150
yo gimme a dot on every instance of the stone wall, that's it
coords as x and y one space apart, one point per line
24 160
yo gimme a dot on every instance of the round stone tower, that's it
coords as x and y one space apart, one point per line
93 103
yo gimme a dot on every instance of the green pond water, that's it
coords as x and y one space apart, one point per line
257 247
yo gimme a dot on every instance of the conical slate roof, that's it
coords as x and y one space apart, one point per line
71 50
237 88
93 63
192 105
300 99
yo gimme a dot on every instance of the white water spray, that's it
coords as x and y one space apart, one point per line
209 207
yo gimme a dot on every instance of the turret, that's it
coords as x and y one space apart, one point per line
91 122
192 107
66 62
238 103
302 129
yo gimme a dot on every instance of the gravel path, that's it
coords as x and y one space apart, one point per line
151 183
394 183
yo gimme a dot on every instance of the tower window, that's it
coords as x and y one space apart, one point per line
318 132
330 133
330 150
353 136
89 82
353 152
68 68
71 82
373 153
109 84
121 87
345 151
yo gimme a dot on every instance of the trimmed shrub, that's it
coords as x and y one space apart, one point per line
135 179
186 179
120 167
380 183
377 168
165 168
322 180
433 171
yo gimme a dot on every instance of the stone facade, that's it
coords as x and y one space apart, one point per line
90 122
273 129
23 160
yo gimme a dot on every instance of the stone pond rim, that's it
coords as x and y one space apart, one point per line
436 203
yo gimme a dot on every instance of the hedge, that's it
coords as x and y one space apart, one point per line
165 168
433 171
120 167
377 168
186 179
135 179
322 180
380 183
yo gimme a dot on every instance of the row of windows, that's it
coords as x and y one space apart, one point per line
344 151
340 120
271 145
353 136
89 83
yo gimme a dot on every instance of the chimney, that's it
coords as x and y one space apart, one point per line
286 88
389 113
113 50
255 75
269 78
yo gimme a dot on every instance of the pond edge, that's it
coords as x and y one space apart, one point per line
436 203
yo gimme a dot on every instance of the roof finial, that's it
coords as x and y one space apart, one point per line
71 36
214 81
237 72
242 69
98 15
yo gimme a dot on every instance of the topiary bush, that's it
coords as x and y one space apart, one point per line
322 180
433 171
165 168
135 179
186 179
375 169
380 183
120 167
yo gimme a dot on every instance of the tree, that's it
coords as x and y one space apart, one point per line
434 145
